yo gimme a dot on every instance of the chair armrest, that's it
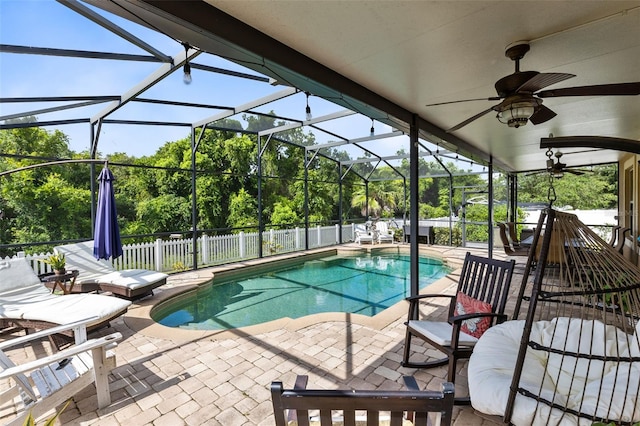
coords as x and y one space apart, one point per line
424 296
107 342
49 331
415 300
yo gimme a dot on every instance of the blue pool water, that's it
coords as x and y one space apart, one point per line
367 285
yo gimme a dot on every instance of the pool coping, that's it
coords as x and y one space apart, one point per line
138 317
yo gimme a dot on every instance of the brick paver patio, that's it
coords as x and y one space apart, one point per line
223 379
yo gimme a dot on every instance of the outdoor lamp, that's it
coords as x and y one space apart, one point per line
187 73
516 114
186 78
372 132
308 108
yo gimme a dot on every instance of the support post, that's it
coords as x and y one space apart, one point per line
490 207
306 200
194 206
414 206
340 212
260 223
158 254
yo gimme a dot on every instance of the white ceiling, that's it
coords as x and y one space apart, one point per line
415 53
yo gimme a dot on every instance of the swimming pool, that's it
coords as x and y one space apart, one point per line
363 284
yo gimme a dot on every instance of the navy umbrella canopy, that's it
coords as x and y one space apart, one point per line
106 234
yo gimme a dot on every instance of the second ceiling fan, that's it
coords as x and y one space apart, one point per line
521 93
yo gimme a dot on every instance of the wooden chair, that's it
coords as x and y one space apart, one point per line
360 407
56 378
511 248
479 303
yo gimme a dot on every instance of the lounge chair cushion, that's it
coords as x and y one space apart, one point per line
600 386
130 278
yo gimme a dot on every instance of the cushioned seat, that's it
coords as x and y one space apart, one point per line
100 274
605 389
440 332
26 302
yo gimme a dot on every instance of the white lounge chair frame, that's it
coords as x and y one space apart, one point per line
89 362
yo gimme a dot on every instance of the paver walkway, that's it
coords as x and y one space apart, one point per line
225 380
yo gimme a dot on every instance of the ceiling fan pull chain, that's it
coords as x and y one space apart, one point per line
551 193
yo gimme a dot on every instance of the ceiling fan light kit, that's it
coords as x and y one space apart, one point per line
517 113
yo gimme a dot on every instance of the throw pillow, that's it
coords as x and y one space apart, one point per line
468 305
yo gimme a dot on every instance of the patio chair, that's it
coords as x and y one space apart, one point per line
25 302
385 235
101 275
359 407
479 303
362 235
511 248
55 378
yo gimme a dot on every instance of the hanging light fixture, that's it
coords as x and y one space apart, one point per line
518 110
308 110
186 78
372 131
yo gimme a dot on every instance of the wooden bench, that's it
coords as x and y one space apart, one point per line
426 232
360 407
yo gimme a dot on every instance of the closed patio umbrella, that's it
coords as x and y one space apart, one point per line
106 234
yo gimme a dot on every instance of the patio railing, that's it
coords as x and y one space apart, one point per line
177 254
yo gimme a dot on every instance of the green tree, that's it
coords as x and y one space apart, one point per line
243 210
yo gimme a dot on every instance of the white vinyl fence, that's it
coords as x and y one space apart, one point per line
177 254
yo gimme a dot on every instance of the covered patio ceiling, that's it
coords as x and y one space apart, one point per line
389 59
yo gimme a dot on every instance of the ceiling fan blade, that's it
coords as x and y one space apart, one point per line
542 80
495 98
575 172
469 120
541 115
618 89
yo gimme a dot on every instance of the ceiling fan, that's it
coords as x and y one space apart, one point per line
521 93
557 169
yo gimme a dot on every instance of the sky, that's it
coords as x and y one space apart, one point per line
49 24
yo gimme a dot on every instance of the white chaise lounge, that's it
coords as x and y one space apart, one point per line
101 275
25 302
55 378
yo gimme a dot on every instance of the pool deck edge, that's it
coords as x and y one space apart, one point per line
138 317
